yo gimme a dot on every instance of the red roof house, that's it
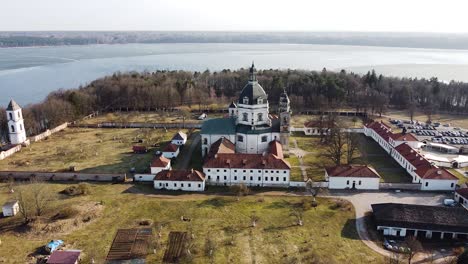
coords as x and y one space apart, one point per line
64 257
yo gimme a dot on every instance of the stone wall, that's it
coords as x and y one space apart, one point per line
48 132
62 176
9 152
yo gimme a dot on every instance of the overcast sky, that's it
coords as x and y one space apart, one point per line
238 15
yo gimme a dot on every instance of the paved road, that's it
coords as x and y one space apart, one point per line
362 202
183 161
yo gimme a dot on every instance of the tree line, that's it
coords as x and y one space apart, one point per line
320 90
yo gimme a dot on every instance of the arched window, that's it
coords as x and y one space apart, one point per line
19 115
11 116
205 141
260 117
246 100
12 129
245 117
240 138
260 100
21 127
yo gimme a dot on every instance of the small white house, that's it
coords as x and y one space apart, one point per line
179 139
183 180
171 151
160 163
461 197
360 177
317 128
10 208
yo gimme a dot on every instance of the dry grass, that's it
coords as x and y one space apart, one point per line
327 236
89 150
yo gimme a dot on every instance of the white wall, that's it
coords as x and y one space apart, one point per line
179 142
10 211
192 186
361 183
250 177
155 170
144 177
438 185
170 155
465 201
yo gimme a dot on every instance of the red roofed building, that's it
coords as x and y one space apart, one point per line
64 257
184 180
317 127
422 171
276 149
400 138
251 169
461 197
381 133
160 163
171 151
360 177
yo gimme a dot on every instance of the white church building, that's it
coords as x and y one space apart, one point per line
249 125
16 128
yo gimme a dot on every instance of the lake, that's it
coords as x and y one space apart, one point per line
29 74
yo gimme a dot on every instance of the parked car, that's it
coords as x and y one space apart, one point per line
53 245
449 202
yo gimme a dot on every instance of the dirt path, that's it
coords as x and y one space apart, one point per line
184 158
299 153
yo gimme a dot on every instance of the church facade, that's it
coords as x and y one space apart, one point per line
250 127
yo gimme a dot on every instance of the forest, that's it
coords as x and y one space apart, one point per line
321 90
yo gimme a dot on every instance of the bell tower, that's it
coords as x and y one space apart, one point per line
284 111
15 123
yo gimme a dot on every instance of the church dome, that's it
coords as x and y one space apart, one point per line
253 92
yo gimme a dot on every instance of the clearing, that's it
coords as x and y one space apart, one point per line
220 223
90 150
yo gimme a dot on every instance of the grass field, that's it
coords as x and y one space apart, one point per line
299 120
90 150
372 155
328 234
146 117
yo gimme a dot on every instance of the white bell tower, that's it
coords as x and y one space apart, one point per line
15 123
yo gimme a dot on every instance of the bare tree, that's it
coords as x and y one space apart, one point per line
414 247
34 199
351 147
335 144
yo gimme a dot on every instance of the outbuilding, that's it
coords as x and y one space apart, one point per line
184 180
360 177
160 163
461 197
179 139
421 221
10 208
171 151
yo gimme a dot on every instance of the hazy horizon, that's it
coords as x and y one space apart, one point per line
397 16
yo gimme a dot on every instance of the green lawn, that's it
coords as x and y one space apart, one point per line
327 236
293 160
90 150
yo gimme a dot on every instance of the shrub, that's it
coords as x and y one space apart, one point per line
80 189
85 188
66 213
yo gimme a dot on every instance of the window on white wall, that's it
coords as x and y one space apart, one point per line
260 117
240 138
246 100
11 116
245 117
264 138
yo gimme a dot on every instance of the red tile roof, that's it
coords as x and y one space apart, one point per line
180 175
247 161
160 162
222 145
171 148
360 171
404 137
463 192
382 129
64 257
276 149
424 168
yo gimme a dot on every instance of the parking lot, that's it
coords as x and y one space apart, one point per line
435 132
